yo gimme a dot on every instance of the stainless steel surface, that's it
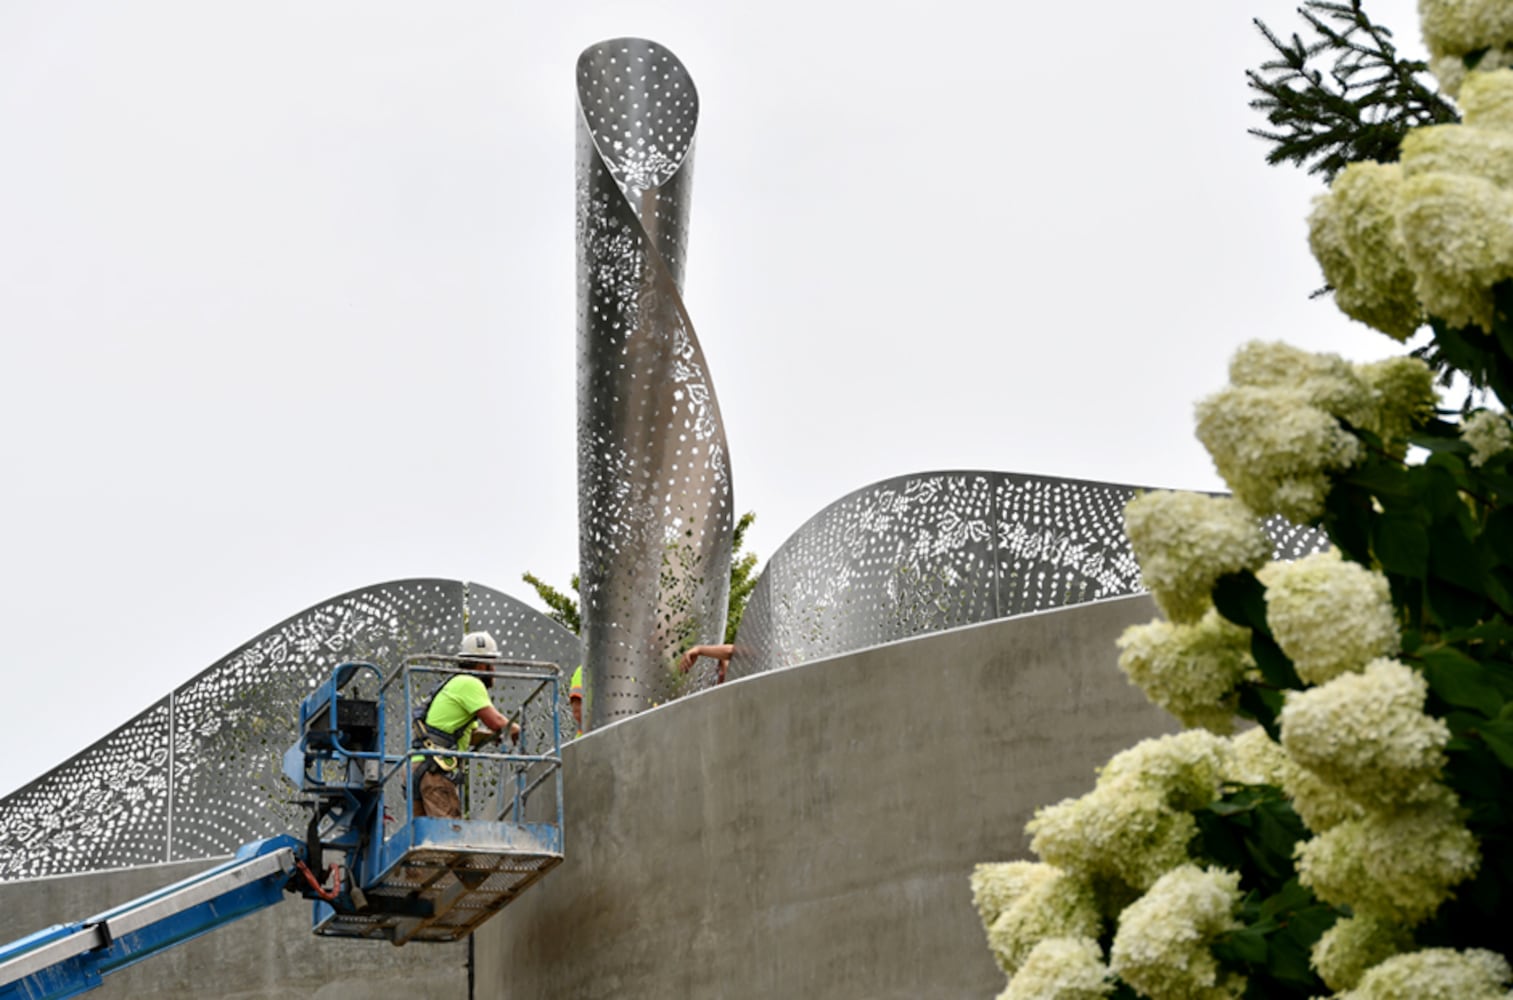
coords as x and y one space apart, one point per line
654 497
935 550
197 774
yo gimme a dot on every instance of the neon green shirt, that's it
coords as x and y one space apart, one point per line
455 708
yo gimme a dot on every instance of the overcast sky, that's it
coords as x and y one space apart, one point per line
287 288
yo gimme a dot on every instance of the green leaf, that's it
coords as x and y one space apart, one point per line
1455 607
1241 598
1263 705
1453 557
1401 544
1459 680
1383 480
1274 665
1498 736
1244 945
1347 516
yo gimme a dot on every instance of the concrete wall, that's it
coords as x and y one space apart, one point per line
809 832
267 956
803 833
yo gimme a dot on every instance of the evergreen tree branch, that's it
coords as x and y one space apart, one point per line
1343 96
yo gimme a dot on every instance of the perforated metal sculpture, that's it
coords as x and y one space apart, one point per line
197 774
935 550
654 491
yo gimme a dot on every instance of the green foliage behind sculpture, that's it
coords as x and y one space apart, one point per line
563 607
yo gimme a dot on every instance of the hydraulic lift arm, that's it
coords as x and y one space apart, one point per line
68 959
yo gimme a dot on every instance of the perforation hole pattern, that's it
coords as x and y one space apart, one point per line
932 551
198 774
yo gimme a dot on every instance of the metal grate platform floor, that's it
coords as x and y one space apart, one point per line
463 886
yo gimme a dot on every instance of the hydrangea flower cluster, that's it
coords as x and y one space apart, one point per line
1355 944
1436 974
1326 381
1354 236
1397 866
1186 541
1275 449
1163 945
1442 216
1254 759
1192 671
1488 434
1367 735
1455 30
1134 826
1062 969
1403 395
1329 616
1356 754
1050 903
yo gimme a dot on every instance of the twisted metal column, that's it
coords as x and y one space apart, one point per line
654 493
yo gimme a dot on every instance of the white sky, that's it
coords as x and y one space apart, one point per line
287 288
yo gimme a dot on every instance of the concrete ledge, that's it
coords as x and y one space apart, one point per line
809 832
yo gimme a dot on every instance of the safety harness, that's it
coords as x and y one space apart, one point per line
428 737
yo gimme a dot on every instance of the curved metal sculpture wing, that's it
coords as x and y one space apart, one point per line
654 492
935 550
197 774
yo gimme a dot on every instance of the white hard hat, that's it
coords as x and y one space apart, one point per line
478 646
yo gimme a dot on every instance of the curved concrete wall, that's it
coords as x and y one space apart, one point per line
806 832
809 832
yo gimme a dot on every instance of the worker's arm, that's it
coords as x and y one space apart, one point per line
495 720
722 652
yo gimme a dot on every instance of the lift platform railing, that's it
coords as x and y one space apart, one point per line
501 779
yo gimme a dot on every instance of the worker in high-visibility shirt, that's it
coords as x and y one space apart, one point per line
575 698
459 716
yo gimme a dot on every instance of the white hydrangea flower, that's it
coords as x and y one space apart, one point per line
1186 541
1329 616
1452 73
1129 835
1192 671
1274 449
1255 759
1459 149
1355 944
1488 434
1454 29
1320 805
1458 236
1057 906
996 884
1354 236
1162 947
1367 735
1487 103
1134 826
1184 769
1436 974
1327 381
1064 968
1398 866
1404 396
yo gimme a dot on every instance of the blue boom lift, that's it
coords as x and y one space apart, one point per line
373 869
